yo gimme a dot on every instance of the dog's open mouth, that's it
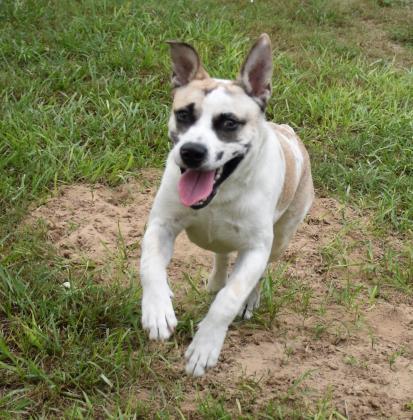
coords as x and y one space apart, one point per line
197 188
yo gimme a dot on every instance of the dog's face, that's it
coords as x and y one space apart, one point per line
214 122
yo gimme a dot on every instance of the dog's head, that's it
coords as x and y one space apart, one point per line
214 122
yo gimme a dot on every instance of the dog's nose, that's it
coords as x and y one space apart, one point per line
193 154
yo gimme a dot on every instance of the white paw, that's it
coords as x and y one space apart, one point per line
253 302
158 316
204 350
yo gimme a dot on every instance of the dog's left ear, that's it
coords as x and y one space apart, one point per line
256 72
186 64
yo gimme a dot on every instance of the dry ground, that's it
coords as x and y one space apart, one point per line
334 335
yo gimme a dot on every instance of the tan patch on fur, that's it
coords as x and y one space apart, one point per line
201 74
205 84
291 177
305 187
194 92
234 89
285 129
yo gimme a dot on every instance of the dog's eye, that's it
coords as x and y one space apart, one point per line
183 116
227 122
230 124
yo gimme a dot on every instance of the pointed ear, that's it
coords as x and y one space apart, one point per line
256 72
186 65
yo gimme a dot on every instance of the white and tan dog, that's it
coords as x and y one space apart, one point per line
234 182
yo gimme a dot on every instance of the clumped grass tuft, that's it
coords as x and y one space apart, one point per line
403 35
63 344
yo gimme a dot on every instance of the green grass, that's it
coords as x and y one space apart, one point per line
85 97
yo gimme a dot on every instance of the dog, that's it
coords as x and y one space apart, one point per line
234 182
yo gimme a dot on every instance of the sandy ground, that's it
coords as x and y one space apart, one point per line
363 357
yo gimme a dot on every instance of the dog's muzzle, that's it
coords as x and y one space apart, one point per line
197 188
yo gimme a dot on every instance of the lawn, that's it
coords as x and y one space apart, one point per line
84 105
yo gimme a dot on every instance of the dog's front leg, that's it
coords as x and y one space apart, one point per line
158 316
206 345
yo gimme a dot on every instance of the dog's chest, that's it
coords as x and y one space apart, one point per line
217 232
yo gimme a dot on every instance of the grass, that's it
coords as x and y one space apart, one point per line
84 97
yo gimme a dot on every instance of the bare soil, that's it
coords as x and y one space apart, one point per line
361 354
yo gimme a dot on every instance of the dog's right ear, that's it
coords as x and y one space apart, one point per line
186 65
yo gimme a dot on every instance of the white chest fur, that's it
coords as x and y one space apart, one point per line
218 231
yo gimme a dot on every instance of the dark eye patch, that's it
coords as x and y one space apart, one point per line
226 126
185 117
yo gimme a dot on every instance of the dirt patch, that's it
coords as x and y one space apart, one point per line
376 41
357 350
103 227
369 373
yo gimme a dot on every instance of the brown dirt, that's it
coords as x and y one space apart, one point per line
375 41
362 354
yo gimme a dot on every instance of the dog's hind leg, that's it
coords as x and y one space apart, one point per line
253 302
219 273
284 230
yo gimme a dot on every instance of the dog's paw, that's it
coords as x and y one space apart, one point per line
204 351
158 317
253 302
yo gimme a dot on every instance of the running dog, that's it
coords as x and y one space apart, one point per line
234 182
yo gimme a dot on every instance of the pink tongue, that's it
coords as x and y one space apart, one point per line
195 186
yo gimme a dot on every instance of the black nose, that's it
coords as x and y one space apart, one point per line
193 154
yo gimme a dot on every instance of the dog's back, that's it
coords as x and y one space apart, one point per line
298 191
